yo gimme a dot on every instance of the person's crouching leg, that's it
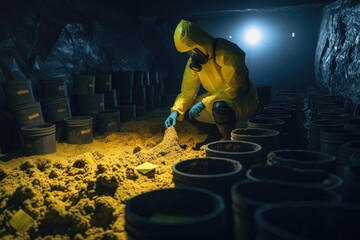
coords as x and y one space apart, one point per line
225 118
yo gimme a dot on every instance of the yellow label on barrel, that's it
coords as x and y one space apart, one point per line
85 131
101 104
22 92
28 145
91 85
60 110
111 124
32 116
61 88
107 83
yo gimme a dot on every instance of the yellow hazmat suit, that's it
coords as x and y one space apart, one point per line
224 76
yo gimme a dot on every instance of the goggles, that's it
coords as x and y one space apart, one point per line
198 58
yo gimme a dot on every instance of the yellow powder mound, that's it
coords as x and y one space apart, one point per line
80 191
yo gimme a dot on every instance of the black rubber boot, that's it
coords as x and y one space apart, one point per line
225 118
225 129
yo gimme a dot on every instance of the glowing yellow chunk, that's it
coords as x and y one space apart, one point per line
21 221
145 167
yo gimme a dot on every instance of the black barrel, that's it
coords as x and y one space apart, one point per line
103 82
295 177
56 109
18 92
122 79
268 139
110 99
303 159
28 114
54 87
124 95
288 125
108 121
247 153
139 79
153 77
127 112
351 191
91 103
316 127
330 141
346 151
83 84
264 94
268 123
248 196
79 129
307 221
175 213
214 174
39 139
353 124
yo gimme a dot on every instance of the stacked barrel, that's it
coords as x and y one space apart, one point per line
56 103
21 102
138 92
86 101
107 120
101 100
36 136
334 130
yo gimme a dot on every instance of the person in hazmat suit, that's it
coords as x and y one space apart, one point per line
219 66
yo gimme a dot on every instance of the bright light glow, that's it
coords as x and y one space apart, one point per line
230 36
293 34
252 36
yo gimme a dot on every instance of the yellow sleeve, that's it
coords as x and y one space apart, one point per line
189 88
233 70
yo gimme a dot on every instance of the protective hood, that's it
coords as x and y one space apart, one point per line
188 36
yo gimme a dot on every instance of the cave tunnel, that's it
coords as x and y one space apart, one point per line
100 103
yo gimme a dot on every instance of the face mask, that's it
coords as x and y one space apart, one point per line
198 58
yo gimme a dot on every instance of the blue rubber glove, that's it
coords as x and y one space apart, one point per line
171 119
196 109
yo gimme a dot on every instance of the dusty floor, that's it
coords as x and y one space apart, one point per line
79 192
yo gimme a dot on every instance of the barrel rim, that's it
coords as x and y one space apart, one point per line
22 106
235 172
249 200
336 181
276 121
79 118
330 157
32 126
15 82
50 80
271 132
261 222
269 115
217 211
257 147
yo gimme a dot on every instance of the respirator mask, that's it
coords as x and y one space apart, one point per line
197 59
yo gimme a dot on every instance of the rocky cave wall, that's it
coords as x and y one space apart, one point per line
337 59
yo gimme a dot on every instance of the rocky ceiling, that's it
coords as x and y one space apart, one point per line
154 8
183 7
